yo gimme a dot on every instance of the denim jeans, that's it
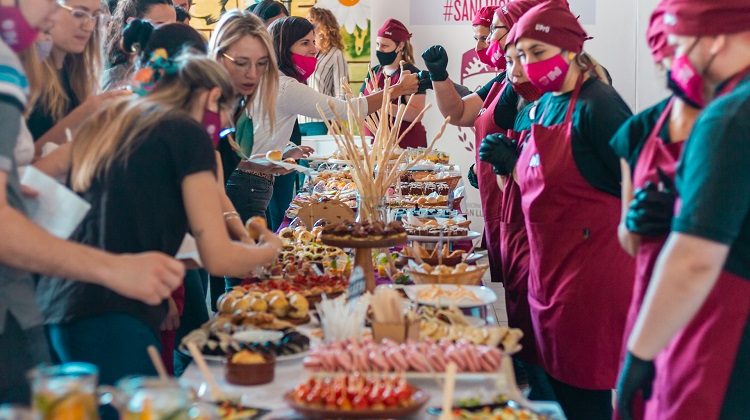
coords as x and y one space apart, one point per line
250 194
116 343
283 193
20 350
194 314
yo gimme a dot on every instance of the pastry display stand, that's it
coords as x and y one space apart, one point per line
363 252
333 211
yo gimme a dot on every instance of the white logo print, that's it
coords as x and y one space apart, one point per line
542 28
551 76
534 162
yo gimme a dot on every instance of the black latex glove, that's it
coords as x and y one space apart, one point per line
436 60
637 375
500 151
473 177
652 208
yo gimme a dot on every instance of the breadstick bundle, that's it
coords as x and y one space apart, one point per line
373 170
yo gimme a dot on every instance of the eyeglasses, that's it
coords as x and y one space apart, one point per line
496 28
83 16
245 65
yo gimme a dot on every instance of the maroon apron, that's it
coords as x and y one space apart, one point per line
697 364
580 279
417 136
505 231
654 154
489 193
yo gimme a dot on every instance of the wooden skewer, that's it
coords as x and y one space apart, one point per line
213 387
448 389
157 362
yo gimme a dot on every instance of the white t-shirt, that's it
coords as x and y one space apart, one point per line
294 99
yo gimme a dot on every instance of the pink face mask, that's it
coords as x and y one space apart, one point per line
527 91
547 75
212 123
305 65
496 55
688 80
483 56
15 30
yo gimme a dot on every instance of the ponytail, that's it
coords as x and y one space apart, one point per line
586 62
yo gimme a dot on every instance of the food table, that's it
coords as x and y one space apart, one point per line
290 373
384 354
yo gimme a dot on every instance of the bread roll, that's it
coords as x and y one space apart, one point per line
274 155
254 227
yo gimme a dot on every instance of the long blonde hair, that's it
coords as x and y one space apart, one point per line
34 68
407 54
110 134
233 26
327 28
83 72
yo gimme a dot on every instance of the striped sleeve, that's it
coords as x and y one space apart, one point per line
339 70
14 86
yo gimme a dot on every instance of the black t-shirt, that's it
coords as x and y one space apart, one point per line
630 138
410 67
713 179
40 121
137 206
599 112
505 112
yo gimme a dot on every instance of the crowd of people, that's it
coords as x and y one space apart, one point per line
621 240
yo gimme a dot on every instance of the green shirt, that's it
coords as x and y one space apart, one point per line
599 112
245 134
630 138
713 178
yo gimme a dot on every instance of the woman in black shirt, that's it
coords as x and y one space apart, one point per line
147 167
70 75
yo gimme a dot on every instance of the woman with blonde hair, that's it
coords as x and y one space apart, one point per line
241 43
331 68
70 75
146 166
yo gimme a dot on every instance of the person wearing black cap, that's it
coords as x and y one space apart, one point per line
696 314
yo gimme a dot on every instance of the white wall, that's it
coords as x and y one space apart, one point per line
618 29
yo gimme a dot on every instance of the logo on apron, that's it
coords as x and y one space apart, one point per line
534 161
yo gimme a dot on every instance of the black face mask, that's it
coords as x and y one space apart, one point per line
678 92
386 58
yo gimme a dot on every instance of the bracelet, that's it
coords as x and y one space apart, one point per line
231 215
